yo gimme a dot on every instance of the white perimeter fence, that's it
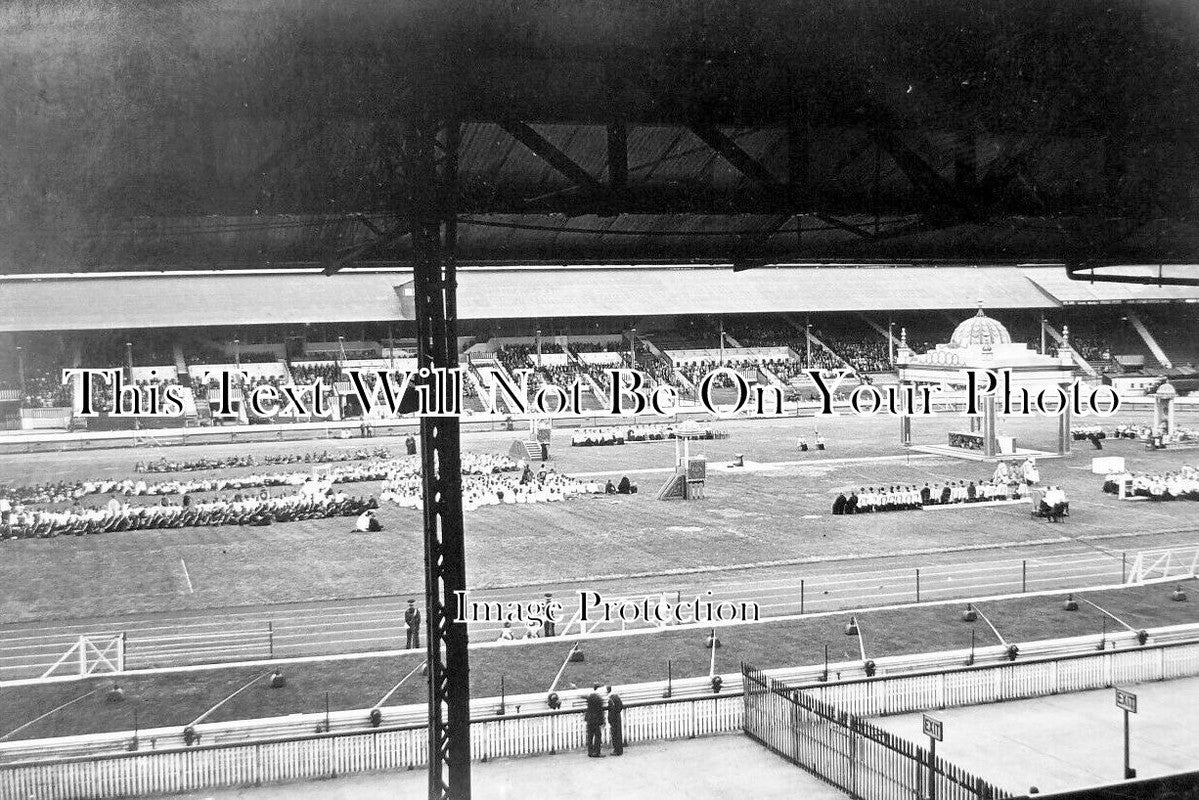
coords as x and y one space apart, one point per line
326 755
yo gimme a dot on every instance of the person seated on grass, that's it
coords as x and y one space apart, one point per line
802 444
609 487
1054 504
625 486
819 442
367 523
839 504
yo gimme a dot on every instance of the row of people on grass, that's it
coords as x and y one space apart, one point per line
509 488
1148 432
240 510
1182 484
62 492
323 457
909 498
598 437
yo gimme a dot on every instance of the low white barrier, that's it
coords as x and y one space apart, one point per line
354 720
329 755
212 764
1017 680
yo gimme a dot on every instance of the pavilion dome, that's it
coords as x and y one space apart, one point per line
980 331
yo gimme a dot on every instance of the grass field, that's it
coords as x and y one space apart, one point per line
176 699
777 513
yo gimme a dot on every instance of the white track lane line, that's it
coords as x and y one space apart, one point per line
187 577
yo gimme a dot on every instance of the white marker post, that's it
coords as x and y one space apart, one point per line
934 729
1128 702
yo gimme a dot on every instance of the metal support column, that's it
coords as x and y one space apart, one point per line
988 430
1064 424
431 147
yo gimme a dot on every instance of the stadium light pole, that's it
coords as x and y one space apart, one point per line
129 359
538 340
21 367
891 342
237 353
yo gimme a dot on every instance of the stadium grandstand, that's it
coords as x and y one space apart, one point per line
749 322
336 204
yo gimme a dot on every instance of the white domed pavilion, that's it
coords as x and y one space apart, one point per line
983 343
980 330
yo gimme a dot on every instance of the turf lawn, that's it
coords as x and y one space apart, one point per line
176 699
752 516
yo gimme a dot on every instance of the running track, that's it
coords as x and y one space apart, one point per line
323 628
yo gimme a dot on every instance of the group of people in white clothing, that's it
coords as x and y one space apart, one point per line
516 483
1182 484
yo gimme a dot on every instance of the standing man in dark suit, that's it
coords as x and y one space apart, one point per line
615 710
412 626
548 628
594 718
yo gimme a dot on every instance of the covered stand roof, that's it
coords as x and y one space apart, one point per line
158 300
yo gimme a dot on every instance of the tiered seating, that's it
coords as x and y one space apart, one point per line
44 389
865 354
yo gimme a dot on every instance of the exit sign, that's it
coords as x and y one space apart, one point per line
1124 700
935 729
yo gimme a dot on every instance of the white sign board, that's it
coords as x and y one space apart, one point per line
1126 701
935 729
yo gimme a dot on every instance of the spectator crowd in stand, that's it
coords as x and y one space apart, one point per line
328 373
44 389
864 354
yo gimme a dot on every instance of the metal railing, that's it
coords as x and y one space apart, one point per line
848 751
353 720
